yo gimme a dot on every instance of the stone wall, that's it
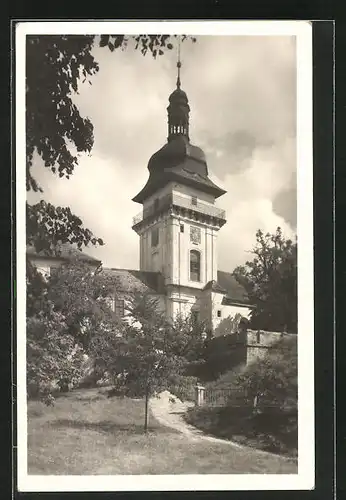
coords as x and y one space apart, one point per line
258 342
235 351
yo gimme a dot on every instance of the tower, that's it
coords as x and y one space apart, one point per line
179 223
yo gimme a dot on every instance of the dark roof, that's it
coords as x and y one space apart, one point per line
176 151
178 96
66 251
214 287
130 280
235 292
180 161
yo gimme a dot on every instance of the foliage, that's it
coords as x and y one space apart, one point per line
273 379
70 307
54 360
64 311
83 297
48 227
150 354
272 423
276 433
229 325
55 67
221 354
183 387
270 280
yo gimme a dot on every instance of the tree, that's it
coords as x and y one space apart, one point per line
151 354
55 66
64 312
270 280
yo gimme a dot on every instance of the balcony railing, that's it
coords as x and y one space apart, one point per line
171 200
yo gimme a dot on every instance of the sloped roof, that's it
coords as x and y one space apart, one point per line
183 173
180 161
130 280
67 251
235 292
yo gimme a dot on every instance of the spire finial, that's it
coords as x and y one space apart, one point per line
178 64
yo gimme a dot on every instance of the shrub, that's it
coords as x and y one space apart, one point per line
273 379
220 355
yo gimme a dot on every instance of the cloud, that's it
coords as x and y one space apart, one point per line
243 112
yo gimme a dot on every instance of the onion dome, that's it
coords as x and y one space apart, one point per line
178 160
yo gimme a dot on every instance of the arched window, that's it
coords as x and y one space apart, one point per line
195 265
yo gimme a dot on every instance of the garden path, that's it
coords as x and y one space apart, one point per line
169 411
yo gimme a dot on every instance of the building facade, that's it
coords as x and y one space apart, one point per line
178 229
179 223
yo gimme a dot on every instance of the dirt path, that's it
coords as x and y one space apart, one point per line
169 410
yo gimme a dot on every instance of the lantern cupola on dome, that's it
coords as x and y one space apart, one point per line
178 110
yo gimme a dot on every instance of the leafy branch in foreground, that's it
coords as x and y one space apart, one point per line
56 65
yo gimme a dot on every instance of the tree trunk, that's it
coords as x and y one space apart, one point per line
146 418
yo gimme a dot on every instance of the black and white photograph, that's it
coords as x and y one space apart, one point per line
165 335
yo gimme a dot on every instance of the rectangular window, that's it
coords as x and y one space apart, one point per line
195 316
194 200
219 314
119 308
181 228
155 237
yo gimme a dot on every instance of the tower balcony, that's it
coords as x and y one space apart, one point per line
185 206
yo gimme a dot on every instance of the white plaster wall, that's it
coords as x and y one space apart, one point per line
204 303
45 265
227 311
161 303
187 192
172 255
160 193
180 301
181 190
179 249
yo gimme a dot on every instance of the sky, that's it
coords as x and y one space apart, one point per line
242 95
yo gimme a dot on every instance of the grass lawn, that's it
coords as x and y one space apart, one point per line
88 433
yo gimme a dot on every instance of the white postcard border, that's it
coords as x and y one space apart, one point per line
305 478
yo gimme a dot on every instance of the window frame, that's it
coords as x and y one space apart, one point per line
155 230
198 254
117 307
195 316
